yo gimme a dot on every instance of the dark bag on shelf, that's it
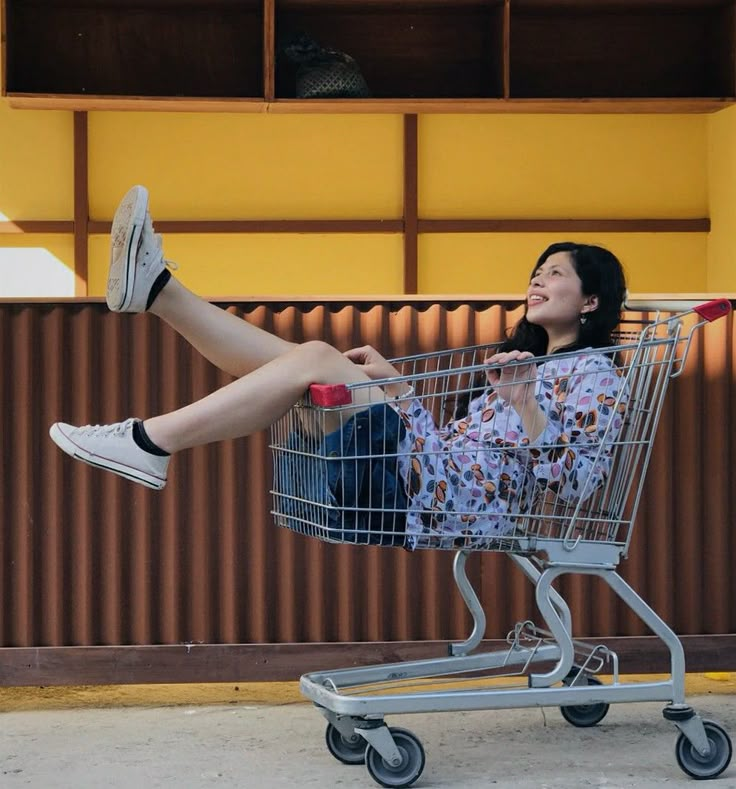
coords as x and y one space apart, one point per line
324 73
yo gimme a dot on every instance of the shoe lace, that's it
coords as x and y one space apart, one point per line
159 242
118 429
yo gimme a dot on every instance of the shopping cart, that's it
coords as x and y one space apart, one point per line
350 468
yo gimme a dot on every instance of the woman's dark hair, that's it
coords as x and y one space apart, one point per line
601 274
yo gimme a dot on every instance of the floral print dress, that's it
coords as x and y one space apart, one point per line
467 480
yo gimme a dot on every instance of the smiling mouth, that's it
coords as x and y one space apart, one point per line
534 300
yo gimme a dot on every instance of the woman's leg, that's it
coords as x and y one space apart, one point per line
141 451
230 343
257 400
138 281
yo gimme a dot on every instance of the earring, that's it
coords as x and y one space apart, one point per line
583 319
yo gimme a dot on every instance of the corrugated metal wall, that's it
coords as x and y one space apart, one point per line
89 559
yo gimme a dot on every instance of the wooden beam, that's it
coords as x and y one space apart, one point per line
381 226
122 665
564 225
81 204
84 103
411 204
36 226
504 106
268 226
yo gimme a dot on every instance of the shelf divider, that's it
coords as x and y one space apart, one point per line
269 49
507 49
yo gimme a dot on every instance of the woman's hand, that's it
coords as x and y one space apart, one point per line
375 367
514 384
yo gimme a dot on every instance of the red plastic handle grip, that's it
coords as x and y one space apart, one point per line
330 395
712 310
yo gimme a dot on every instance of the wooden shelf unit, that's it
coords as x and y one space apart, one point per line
607 49
416 55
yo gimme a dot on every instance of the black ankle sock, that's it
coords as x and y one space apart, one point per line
144 442
158 286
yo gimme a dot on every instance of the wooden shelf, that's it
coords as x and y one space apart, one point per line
612 49
84 103
368 106
155 48
408 50
550 56
551 106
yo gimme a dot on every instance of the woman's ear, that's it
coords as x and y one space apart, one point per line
591 304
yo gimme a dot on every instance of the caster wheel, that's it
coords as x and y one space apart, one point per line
348 750
711 765
404 774
584 715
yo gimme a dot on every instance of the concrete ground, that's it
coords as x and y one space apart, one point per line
279 742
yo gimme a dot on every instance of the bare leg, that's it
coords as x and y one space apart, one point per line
230 343
255 401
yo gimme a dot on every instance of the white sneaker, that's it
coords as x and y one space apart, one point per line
136 255
111 447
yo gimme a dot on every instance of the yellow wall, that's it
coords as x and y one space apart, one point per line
722 182
571 167
36 164
502 262
563 166
257 167
233 166
269 263
248 166
36 182
340 167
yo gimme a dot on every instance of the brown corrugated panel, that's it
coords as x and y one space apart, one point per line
89 559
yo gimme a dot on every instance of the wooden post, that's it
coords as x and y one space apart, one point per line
81 204
411 200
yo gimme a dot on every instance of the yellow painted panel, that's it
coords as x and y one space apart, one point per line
500 263
36 164
562 166
249 166
36 265
274 264
61 245
722 186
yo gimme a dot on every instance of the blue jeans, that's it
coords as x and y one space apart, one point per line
345 487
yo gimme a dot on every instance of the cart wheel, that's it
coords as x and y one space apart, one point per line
404 774
584 715
714 763
348 750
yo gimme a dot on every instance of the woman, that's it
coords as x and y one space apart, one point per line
573 302
536 429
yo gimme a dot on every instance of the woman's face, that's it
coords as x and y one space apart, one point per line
555 298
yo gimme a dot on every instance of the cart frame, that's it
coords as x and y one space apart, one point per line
355 701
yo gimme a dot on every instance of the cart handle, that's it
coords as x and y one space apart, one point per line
336 395
330 395
713 310
709 310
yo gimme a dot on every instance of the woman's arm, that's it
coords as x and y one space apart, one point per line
515 385
376 367
572 456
